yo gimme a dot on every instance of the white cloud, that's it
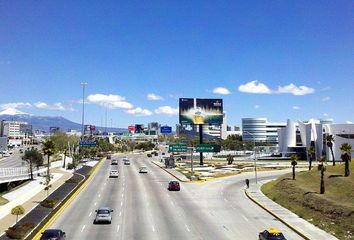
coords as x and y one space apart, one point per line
167 110
293 89
296 108
326 114
221 90
154 97
325 99
349 122
110 101
254 87
56 106
139 112
256 106
15 105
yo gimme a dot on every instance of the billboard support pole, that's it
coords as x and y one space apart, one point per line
201 141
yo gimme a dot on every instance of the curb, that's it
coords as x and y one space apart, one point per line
76 192
277 217
170 173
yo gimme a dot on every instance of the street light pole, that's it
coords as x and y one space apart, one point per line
255 156
83 84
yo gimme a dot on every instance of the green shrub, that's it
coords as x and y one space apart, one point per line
19 231
49 203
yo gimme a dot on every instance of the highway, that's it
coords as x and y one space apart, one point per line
145 209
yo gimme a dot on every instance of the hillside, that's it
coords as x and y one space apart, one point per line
332 211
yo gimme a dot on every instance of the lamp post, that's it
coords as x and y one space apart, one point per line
255 156
83 84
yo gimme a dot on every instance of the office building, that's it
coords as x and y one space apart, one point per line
260 130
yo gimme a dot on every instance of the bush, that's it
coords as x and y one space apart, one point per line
73 180
49 203
19 231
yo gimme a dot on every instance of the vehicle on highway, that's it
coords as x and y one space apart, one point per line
114 162
109 157
149 155
143 170
271 234
113 173
174 186
126 162
53 234
103 215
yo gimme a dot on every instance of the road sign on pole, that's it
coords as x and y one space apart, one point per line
207 148
87 144
179 147
165 129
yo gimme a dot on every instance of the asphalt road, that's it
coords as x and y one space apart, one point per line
145 209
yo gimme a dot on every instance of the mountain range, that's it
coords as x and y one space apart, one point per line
43 123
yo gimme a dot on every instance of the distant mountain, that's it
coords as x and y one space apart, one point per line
43 123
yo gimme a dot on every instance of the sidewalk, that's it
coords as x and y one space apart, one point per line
29 196
181 177
299 225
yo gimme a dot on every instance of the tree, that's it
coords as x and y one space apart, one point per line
330 141
33 157
322 167
62 142
311 151
230 159
18 210
346 156
49 150
294 159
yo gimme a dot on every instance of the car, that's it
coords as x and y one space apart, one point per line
143 170
109 157
156 153
114 162
103 215
271 234
113 173
53 234
126 162
149 155
174 186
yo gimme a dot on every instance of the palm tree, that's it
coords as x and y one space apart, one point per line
346 156
322 168
311 153
49 150
294 159
330 141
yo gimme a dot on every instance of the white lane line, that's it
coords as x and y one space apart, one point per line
90 214
121 203
122 194
245 218
105 183
95 203
118 228
153 228
99 195
225 200
83 227
225 228
187 227
172 203
120 213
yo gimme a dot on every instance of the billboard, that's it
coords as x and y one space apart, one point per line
166 129
131 128
200 111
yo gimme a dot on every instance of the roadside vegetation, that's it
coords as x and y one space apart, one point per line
332 211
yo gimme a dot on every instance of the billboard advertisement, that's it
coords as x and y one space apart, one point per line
131 128
200 111
165 129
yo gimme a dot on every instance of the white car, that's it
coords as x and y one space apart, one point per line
143 170
113 173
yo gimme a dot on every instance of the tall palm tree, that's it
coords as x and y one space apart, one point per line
49 150
33 157
294 159
322 168
330 141
311 151
346 156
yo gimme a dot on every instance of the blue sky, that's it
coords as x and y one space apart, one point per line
275 59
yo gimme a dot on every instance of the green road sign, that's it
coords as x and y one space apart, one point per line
179 147
204 148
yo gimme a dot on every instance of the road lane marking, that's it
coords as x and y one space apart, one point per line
99 195
187 227
83 227
225 200
118 228
153 228
90 214
120 213
245 218
172 203
121 203
95 203
122 194
225 228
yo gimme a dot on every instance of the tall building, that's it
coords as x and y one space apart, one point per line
260 130
15 130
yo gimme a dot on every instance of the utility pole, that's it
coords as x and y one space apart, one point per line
83 84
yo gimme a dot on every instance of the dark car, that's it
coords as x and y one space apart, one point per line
271 234
174 186
149 155
53 234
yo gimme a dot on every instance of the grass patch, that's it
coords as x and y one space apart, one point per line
332 211
3 201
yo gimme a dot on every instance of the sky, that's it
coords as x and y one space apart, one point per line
276 59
